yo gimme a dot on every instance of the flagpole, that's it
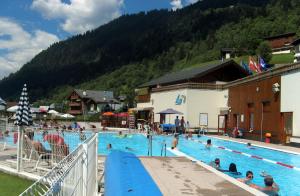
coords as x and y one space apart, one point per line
19 152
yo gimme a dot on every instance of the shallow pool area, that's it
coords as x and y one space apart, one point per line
254 158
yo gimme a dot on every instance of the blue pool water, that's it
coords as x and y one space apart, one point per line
286 178
135 143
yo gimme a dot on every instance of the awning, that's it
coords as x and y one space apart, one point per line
224 110
141 109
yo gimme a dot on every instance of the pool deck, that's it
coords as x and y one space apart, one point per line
181 176
280 147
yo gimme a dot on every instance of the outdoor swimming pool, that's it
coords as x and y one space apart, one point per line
135 143
227 151
232 152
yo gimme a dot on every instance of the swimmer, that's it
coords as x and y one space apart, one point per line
271 188
174 142
208 143
216 164
233 170
109 146
249 145
128 148
248 179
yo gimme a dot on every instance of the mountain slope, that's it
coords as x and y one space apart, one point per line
130 38
135 48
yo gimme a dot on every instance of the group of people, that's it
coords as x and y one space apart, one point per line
270 188
181 126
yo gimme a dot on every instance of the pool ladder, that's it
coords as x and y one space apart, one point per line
163 149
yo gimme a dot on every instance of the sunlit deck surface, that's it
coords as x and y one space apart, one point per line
180 176
8 164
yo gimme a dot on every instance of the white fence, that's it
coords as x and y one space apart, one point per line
75 175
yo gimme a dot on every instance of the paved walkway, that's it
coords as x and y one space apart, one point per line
263 144
180 176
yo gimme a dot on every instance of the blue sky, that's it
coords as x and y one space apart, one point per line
30 26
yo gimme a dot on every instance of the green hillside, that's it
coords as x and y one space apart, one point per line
134 49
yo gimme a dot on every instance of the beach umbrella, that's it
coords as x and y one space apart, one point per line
23 118
108 114
67 116
12 109
169 111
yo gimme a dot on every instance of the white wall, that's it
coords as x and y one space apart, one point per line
197 101
205 101
290 98
167 99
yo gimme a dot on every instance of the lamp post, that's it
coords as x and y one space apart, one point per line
83 109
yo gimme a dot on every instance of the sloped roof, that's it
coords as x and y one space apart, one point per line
2 102
191 73
97 96
281 35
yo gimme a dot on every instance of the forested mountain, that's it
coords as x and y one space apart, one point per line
132 49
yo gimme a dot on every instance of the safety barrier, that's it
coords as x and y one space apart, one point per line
75 175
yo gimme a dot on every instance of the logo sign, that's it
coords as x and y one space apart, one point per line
180 99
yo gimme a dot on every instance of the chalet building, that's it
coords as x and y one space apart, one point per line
281 44
222 97
88 101
267 103
197 92
228 53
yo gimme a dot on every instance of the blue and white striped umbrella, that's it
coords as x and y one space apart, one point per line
23 114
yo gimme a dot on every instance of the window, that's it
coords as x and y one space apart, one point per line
288 123
251 121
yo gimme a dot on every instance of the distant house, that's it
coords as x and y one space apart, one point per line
281 44
227 53
296 45
88 101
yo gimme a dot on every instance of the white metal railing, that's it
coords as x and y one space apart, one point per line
75 175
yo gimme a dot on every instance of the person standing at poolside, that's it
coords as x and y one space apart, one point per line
182 125
176 125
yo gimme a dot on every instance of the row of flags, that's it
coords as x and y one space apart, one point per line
254 66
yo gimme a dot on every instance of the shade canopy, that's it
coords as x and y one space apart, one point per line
169 111
12 109
23 113
67 116
52 112
108 114
123 114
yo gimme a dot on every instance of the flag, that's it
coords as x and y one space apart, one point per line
246 67
252 66
257 66
262 64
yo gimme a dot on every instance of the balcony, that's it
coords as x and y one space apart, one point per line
71 104
75 112
143 98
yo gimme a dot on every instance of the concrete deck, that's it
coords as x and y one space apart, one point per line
262 144
180 176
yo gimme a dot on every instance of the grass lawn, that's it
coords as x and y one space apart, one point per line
12 185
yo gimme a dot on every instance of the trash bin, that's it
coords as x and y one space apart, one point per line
268 137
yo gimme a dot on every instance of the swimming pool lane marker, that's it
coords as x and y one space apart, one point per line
253 156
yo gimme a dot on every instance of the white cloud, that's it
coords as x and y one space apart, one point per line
18 46
176 4
191 1
79 16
